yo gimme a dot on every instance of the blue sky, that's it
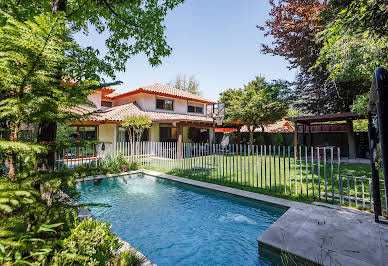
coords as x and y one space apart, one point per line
215 40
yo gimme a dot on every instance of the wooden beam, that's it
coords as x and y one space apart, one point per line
196 124
238 138
179 131
296 138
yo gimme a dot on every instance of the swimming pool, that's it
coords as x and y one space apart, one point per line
177 224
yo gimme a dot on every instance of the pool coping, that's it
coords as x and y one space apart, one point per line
299 231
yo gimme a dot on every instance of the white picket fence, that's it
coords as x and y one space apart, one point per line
299 171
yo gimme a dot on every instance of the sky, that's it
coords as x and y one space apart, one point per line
216 41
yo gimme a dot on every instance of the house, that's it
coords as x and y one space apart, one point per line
176 115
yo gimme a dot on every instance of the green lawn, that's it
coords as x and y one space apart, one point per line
266 174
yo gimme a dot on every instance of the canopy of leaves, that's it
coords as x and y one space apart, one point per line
133 27
351 46
257 104
294 25
136 124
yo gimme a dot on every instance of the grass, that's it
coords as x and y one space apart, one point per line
264 174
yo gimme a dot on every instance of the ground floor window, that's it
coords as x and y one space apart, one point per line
167 133
198 135
76 133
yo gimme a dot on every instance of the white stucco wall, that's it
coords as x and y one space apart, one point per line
107 133
147 102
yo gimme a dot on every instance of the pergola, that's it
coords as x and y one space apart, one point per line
308 120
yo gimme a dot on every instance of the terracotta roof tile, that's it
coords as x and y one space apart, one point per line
162 89
281 126
118 113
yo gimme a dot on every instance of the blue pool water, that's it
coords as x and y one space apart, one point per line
177 224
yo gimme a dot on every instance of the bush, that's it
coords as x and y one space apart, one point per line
128 258
115 164
278 139
259 140
89 243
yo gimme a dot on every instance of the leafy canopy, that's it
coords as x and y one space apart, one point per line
132 27
135 125
257 104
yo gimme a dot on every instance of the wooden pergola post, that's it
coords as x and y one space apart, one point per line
296 138
238 138
351 140
179 130
310 137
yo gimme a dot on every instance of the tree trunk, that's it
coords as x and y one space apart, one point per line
12 154
47 131
251 132
47 134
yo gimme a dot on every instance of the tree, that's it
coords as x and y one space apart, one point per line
134 27
135 126
294 25
30 55
257 104
186 84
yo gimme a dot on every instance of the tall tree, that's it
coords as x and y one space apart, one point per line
133 26
352 44
294 25
257 104
184 83
30 56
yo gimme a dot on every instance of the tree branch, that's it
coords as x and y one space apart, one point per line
78 9
109 6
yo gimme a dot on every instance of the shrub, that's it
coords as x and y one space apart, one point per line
127 258
115 164
278 139
260 140
134 166
89 243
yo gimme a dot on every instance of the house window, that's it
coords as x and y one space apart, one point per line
194 109
164 104
106 104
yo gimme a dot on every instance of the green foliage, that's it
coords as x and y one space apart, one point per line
350 50
189 84
278 139
116 164
360 105
257 104
133 27
108 165
127 258
89 243
259 140
135 125
30 229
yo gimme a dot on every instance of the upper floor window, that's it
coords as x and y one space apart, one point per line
106 104
164 104
194 109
